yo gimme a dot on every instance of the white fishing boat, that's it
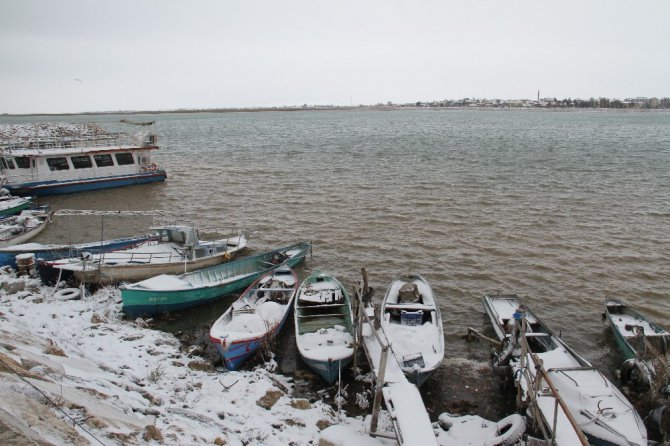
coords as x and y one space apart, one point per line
412 322
176 249
539 362
61 158
23 227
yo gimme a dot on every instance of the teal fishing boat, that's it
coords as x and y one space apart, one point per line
324 325
644 344
13 205
165 293
633 331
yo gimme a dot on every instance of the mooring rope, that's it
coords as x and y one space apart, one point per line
74 422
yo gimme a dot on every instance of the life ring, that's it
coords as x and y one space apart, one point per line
68 294
153 167
510 430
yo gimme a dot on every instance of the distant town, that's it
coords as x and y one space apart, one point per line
638 103
634 103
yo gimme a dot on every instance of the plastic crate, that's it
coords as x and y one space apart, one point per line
411 317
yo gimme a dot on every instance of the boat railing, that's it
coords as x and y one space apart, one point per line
73 142
360 293
534 384
142 257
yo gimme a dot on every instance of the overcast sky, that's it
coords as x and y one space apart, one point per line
75 56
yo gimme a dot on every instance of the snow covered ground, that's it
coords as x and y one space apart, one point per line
75 372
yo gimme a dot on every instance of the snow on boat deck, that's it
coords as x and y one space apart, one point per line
626 324
565 433
402 398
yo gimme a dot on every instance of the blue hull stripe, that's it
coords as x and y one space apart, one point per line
44 188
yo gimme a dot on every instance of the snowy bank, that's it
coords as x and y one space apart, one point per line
67 362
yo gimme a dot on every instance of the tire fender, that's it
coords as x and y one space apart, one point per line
510 430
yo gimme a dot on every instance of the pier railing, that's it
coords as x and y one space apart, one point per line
364 291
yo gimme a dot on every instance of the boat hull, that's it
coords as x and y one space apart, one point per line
239 351
8 256
109 274
46 188
314 318
24 237
329 370
22 205
139 302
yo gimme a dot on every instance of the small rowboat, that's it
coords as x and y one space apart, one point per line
412 322
324 325
257 316
642 342
23 227
10 205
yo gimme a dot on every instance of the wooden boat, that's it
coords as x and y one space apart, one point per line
412 322
175 249
62 158
23 227
170 293
10 205
256 317
56 251
642 342
601 411
324 325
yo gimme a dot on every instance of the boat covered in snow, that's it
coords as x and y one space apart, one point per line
324 325
23 227
10 205
52 251
644 344
175 249
543 366
165 293
412 322
255 317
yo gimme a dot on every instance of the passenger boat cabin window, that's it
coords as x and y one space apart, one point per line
123 159
22 162
103 160
7 163
81 162
59 163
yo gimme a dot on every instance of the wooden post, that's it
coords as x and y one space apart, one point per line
376 405
366 288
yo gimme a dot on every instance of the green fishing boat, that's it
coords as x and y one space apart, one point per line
165 293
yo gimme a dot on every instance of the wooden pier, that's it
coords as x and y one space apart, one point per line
402 399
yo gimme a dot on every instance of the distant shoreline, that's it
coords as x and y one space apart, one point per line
333 108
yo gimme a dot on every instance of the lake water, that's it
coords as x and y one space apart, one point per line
562 208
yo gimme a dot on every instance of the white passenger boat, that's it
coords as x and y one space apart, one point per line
50 159
413 325
599 410
176 250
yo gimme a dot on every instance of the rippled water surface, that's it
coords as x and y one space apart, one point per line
562 208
